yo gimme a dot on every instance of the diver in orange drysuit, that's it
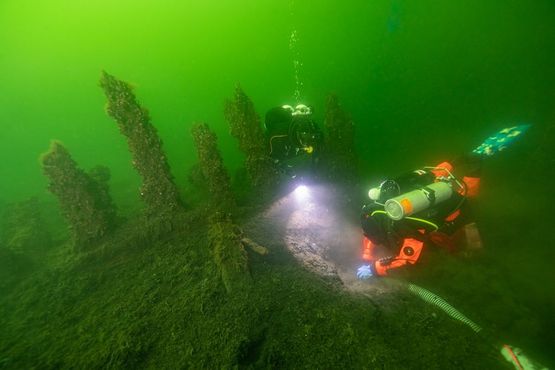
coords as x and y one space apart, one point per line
438 216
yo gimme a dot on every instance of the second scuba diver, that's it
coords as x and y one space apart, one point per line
292 136
428 206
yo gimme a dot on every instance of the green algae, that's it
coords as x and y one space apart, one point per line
213 173
23 229
84 198
245 126
229 254
158 189
164 307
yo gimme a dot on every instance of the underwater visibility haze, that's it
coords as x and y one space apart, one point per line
183 184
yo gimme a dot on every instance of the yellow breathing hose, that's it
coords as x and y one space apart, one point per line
429 223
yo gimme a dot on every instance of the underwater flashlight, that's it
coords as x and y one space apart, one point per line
301 193
374 193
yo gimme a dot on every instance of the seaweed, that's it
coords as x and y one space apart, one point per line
23 229
84 198
158 189
14 268
224 236
196 177
244 124
164 307
229 254
212 168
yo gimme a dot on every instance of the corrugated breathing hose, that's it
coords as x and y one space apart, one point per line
436 300
512 354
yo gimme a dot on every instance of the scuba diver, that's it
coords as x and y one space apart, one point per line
292 136
423 207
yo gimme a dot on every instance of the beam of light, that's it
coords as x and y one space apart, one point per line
301 193
316 224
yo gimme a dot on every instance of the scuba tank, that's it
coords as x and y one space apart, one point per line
423 190
392 187
417 200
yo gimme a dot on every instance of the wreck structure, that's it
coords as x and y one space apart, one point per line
212 167
83 197
245 126
158 189
229 253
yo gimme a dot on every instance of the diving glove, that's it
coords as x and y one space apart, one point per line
365 272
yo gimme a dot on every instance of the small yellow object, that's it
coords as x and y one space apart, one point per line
308 149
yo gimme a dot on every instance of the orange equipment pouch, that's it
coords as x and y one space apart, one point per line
409 254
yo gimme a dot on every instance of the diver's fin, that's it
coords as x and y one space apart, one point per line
500 140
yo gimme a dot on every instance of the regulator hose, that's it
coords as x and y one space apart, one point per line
512 354
436 300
